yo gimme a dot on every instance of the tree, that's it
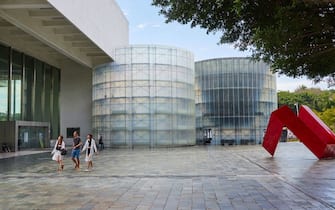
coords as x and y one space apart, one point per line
328 117
297 37
286 98
314 98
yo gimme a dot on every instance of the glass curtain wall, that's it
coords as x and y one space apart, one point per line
4 79
234 100
145 98
16 85
29 89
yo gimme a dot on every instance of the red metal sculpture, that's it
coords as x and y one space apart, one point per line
306 126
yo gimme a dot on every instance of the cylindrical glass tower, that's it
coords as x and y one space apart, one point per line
234 100
145 97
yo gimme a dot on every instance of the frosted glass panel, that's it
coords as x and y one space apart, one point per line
146 97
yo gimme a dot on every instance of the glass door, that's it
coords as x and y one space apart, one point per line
32 137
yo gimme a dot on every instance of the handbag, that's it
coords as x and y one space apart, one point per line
63 151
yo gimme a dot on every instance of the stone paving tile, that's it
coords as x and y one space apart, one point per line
237 177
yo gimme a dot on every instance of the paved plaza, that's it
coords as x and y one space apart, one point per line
199 177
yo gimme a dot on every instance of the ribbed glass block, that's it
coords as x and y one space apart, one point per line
234 99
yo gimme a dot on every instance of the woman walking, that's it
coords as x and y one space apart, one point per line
90 148
57 155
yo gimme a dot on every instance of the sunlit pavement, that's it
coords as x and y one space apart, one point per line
199 177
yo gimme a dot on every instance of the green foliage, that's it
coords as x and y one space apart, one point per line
328 117
295 36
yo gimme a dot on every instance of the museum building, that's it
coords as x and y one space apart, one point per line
234 99
64 67
48 49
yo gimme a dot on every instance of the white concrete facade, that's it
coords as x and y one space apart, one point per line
72 35
104 24
75 98
101 21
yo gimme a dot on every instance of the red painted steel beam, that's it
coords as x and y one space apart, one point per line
323 145
307 127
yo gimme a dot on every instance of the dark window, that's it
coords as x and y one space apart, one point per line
69 132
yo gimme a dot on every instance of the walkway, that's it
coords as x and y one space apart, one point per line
199 177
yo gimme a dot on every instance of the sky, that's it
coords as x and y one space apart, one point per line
146 26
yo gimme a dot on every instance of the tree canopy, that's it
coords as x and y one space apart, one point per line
297 37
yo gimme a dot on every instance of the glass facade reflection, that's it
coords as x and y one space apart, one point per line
145 98
29 89
234 99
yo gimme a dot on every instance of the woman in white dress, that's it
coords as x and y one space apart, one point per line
56 153
90 147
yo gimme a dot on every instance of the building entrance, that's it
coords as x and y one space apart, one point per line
18 135
32 137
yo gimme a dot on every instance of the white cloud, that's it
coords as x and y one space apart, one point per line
146 25
141 26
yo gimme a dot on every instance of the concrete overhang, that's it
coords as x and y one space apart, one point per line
36 28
